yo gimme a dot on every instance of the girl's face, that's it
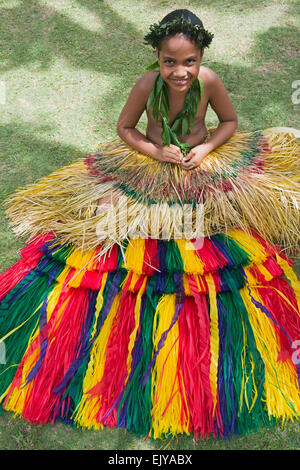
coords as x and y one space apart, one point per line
179 60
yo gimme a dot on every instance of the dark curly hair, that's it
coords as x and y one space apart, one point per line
179 21
185 14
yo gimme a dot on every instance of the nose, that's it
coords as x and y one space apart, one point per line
180 72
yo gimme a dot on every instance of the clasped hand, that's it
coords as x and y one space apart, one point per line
171 153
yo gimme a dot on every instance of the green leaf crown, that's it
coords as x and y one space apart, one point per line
195 32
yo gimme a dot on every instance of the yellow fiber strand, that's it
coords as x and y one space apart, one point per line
243 360
34 333
99 304
134 279
291 276
281 384
53 299
134 255
250 245
200 284
166 398
267 275
85 414
250 278
280 294
214 338
20 394
63 275
186 285
132 337
20 326
192 263
245 378
77 277
254 391
8 388
78 259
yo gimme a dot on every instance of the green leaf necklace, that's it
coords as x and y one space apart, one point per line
184 121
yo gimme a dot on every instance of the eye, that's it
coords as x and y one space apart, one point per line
168 61
191 61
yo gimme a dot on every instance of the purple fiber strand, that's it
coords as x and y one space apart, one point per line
134 363
178 306
36 273
269 315
83 343
49 251
42 324
116 402
224 252
114 288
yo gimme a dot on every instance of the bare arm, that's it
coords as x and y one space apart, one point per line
224 109
129 117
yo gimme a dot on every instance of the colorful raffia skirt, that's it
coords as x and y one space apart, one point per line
115 316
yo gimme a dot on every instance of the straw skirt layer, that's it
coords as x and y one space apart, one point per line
161 337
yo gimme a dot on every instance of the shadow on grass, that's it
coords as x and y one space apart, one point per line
262 92
38 34
34 33
223 5
26 157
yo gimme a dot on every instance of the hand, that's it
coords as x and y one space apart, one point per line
194 157
169 153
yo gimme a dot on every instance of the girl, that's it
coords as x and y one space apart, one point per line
158 334
179 59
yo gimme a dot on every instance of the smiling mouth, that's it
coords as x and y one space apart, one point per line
180 81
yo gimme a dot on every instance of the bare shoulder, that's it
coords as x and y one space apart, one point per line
209 76
214 86
137 100
145 84
217 95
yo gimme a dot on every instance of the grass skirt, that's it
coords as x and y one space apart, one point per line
160 336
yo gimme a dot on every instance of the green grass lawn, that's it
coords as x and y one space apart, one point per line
67 67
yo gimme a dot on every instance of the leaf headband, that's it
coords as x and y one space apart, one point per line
195 32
